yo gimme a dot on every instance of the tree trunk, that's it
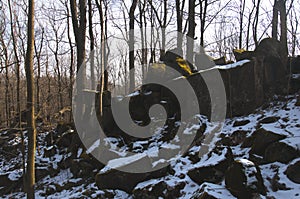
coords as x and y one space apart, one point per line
242 9
79 28
102 50
275 20
30 102
255 23
203 11
191 32
92 45
131 45
17 60
179 25
71 79
283 26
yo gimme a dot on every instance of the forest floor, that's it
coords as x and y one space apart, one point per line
64 171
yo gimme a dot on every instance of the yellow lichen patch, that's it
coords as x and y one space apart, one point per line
239 50
184 65
159 66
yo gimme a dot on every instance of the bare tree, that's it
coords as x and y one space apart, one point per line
275 20
283 25
131 45
255 22
179 17
242 10
30 102
191 32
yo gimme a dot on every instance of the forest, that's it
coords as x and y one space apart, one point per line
149 99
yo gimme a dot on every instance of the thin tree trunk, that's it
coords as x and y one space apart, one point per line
179 24
18 90
38 57
79 28
283 25
102 50
255 25
275 20
92 45
131 45
30 102
242 9
191 32
71 79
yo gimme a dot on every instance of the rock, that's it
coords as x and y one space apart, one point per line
281 152
81 168
107 177
49 151
292 172
4 180
298 101
63 127
260 139
294 64
269 120
211 168
238 137
276 184
272 57
70 140
158 188
240 54
212 191
241 123
243 179
220 61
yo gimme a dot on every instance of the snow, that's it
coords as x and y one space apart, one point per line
79 152
216 191
293 142
121 162
136 93
233 65
295 76
15 175
212 160
93 147
288 124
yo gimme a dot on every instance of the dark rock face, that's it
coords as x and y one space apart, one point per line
293 173
243 179
212 191
220 61
294 64
260 139
270 54
280 152
159 189
268 120
243 55
241 123
115 179
215 171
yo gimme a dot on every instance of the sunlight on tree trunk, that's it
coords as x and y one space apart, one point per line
30 102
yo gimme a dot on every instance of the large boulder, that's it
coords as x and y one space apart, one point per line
212 168
244 180
212 191
260 139
283 151
241 54
270 54
157 188
117 178
293 173
294 64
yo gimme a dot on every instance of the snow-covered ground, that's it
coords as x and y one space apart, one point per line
63 184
